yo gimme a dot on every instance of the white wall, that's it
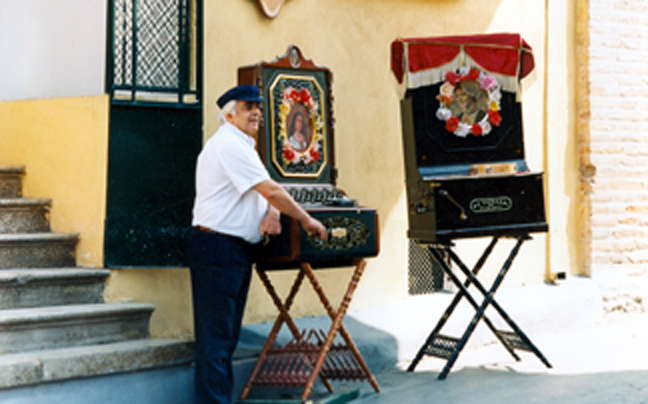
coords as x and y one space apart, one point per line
52 48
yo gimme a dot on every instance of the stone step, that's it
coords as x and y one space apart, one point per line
54 365
22 288
38 250
11 181
22 215
23 330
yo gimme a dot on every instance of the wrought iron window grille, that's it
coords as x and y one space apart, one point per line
155 52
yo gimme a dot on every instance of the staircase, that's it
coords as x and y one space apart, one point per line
54 324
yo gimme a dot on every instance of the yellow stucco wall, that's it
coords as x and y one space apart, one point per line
168 289
63 144
353 39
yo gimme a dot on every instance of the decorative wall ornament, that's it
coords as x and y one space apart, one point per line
270 8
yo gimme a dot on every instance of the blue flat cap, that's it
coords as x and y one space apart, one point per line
245 92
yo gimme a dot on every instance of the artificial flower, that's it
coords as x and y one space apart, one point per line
495 94
293 95
443 114
304 96
444 99
289 153
494 117
488 82
486 127
452 78
462 130
452 124
446 90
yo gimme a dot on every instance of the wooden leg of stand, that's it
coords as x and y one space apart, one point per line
355 279
336 326
284 307
283 316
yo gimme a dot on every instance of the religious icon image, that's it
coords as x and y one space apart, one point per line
298 126
469 102
300 132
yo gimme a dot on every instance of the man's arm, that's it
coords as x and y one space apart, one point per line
278 197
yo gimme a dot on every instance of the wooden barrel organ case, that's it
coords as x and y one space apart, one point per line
296 143
466 173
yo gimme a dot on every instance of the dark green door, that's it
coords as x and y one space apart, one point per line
154 78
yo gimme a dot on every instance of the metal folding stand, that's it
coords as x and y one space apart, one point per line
310 354
448 347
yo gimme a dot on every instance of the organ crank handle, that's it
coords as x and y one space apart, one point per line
449 197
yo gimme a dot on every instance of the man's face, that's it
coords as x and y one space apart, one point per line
247 118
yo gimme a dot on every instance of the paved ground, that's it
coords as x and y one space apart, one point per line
602 361
596 342
605 362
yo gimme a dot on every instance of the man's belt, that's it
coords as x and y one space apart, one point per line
235 239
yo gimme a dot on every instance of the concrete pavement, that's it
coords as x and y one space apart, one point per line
602 362
595 336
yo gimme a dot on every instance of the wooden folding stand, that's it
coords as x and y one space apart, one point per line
448 347
310 353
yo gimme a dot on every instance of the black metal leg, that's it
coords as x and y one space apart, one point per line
480 312
525 342
449 347
463 291
469 280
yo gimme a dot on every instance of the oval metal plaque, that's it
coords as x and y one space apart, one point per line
490 205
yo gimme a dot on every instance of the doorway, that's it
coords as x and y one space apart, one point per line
154 76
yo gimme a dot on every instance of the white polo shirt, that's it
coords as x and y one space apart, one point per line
227 169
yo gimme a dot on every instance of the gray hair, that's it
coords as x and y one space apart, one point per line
228 108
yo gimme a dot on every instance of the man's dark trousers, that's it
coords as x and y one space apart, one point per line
221 269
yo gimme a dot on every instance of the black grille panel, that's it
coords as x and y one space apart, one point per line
425 274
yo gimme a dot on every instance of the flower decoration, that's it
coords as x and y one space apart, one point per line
289 153
293 95
469 102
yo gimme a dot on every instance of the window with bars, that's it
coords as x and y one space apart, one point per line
155 51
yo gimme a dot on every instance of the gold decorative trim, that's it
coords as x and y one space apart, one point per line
344 233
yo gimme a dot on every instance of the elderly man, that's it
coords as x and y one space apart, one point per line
236 204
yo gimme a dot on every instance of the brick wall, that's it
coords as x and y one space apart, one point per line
618 79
